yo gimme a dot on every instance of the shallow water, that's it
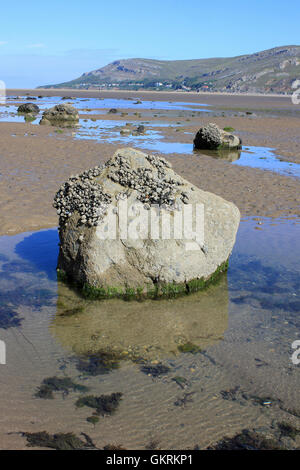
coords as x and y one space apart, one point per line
265 159
109 131
262 158
107 103
244 327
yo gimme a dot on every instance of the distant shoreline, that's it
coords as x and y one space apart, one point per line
72 91
234 100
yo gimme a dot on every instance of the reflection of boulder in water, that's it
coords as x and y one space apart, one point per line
231 155
140 330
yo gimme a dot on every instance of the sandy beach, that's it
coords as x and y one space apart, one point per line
35 160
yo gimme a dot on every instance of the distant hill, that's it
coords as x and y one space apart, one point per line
270 71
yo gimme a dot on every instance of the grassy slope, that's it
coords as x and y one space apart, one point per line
218 73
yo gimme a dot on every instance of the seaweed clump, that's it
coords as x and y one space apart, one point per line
288 430
189 348
9 318
57 384
155 369
247 440
94 419
98 363
59 441
181 381
113 447
103 405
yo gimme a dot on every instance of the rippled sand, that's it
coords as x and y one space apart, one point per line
244 326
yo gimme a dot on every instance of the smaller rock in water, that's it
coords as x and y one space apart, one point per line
125 131
63 115
139 130
112 111
213 138
28 108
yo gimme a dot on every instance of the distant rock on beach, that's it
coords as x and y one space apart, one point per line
63 115
212 137
96 255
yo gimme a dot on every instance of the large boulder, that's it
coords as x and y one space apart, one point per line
213 138
63 115
28 108
143 197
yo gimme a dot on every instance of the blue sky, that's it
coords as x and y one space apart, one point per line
51 42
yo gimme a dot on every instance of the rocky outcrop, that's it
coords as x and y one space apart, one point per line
28 108
121 228
212 137
63 115
251 73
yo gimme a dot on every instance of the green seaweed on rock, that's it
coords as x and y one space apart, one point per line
157 291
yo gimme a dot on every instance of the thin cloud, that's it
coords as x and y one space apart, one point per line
35 46
2 43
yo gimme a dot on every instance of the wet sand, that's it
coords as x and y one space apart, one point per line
257 311
240 325
219 99
35 161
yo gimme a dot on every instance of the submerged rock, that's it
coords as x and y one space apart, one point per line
28 108
63 115
139 130
212 137
121 228
125 131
